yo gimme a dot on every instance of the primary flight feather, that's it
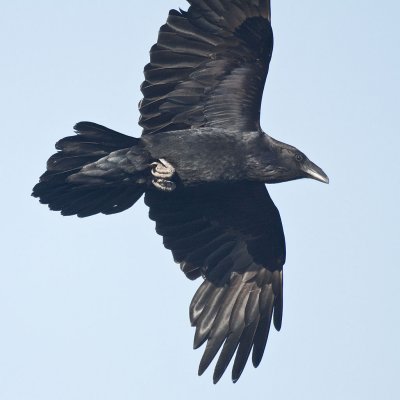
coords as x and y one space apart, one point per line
202 163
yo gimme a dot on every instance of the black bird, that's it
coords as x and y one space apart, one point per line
202 163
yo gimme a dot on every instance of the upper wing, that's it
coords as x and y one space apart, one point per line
233 236
208 67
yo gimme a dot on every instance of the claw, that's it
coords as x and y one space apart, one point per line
162 169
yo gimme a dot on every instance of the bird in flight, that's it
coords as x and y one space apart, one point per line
201 163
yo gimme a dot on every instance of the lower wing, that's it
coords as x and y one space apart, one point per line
232 236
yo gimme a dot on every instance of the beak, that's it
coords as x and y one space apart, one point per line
314 172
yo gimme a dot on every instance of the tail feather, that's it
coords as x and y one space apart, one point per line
96 171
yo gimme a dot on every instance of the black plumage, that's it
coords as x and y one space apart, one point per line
202 163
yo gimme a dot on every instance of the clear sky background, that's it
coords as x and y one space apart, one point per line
96 309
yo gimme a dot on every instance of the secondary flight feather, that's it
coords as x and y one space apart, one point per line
202 163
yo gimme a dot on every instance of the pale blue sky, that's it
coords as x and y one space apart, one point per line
96 308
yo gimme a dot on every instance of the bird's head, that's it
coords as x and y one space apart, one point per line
290 163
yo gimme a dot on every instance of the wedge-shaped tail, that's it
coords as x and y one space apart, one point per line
96 171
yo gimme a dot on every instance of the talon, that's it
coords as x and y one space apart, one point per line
164 185
162 169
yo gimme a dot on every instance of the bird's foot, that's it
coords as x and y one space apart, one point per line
162 170
164 185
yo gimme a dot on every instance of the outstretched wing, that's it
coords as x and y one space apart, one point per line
232 236
208 67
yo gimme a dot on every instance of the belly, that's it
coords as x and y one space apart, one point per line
200 156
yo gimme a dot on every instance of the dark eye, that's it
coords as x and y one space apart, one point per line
298 157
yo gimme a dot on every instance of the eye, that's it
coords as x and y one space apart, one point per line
298 157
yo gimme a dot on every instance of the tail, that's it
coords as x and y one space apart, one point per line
96 171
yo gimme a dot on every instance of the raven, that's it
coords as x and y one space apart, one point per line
202 163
